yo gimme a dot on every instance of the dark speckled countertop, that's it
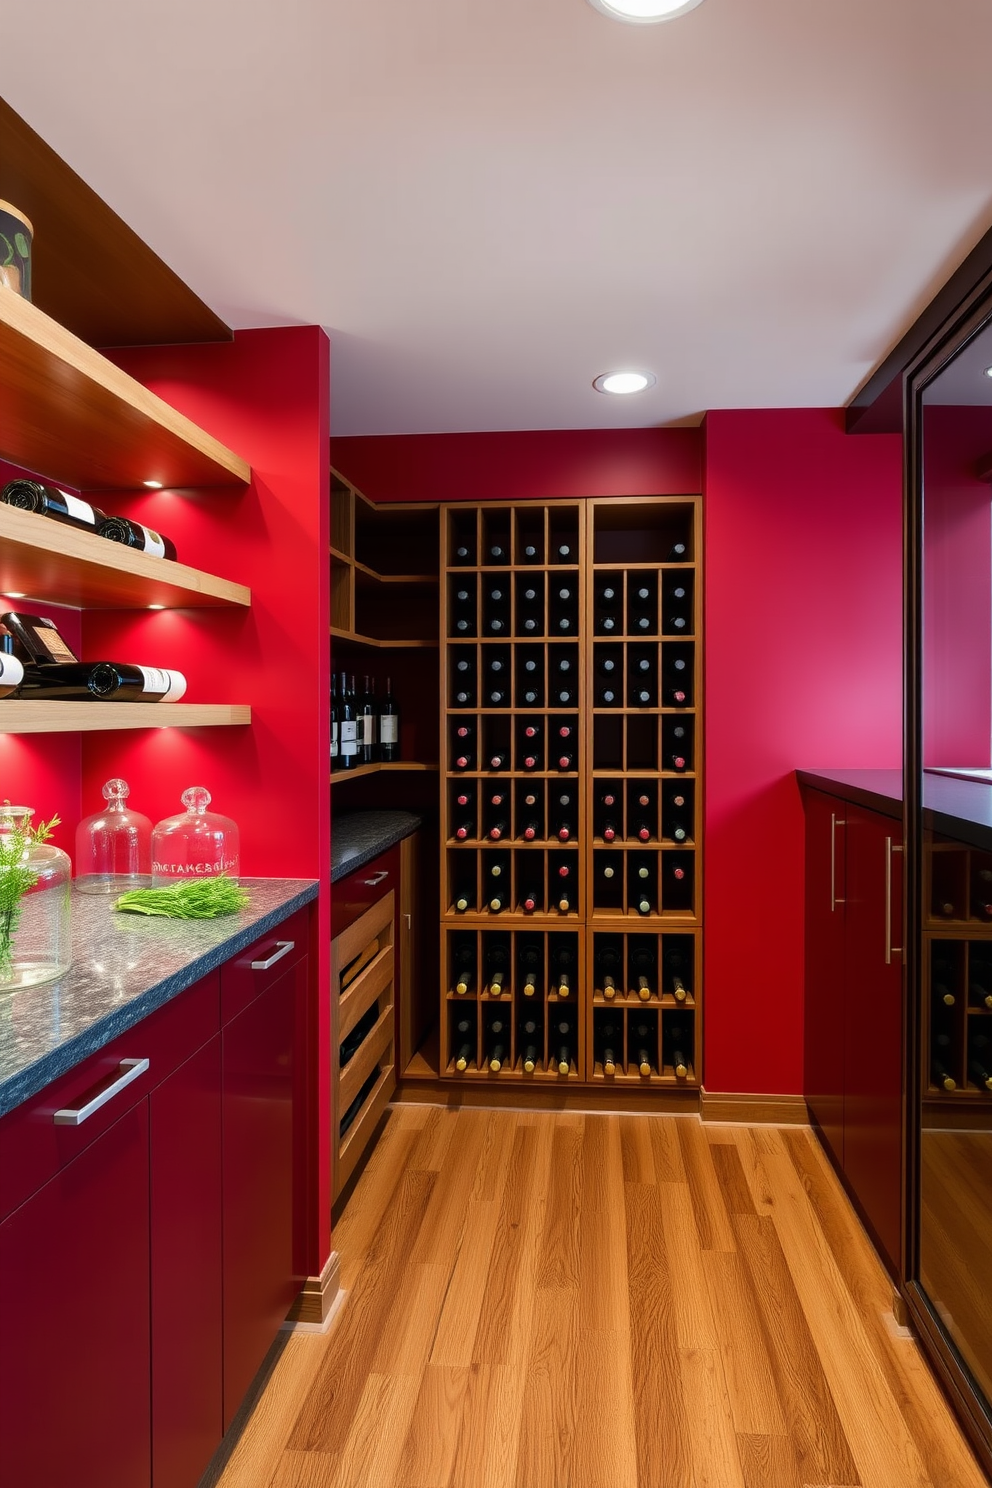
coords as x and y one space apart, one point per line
125 966
958 804
359 836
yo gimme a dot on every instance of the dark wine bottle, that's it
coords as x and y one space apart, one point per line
978 1073
564 609
608 1037
677 553
561 975
498 830
530 1052
37 639
940 1076
49 501
464 970
496 967
497 1049
463 609
530 554
11 673
497 553
136 535
102 681
389 725
564 1045
496 608
979 994
530 610
607 970
642 1049
366 724
464 1044
463 555
334 721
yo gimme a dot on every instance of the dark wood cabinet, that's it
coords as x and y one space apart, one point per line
74 1304
854 1005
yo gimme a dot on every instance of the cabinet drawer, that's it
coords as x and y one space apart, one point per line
352 896
33 1148
262 964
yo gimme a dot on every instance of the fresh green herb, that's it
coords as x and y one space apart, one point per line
16 878
187 899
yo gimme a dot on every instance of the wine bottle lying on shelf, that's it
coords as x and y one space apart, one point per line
136 535
11 674
37 639
102 681
49 501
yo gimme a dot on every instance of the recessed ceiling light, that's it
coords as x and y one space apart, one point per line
153 485
644 11
988 371
624 382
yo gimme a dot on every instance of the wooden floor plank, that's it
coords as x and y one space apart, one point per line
574 1300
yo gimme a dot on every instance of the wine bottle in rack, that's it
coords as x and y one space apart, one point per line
136 535
530 609
642 883
561 962
677 553
979 1063
496 608
941 1076
530 553
464 682
678 604
679 680
529 969
607 607
940 1053
564 684
498 761
642 1040
49 501
943 993
334 720
465 555
497 969
642 605
641 824
644 972
531 746
366 725
388 725
497 815
978 991
564 552
464 1044
464 746
608 682
497 680
677 824
497 1044
347 726
464 968
608 971
564 1044
680 1040
529 1037
463 609
497 878
562 811
497 552
641 682
530 678
530 813
531 889
677 973
609 1042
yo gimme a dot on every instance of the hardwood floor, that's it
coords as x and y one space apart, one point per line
578 1301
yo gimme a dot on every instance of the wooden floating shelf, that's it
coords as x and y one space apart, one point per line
27 717
70 413
51 561
384 645
337 776
422 579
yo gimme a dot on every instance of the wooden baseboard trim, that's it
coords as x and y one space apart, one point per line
318 1295
505 1097
753 1110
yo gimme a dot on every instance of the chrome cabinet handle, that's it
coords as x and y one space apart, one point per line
834 824
376 878
890 949
75 1116
284 948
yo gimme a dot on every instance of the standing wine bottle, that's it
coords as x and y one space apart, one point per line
49 501
334 721
136 535
347 726
389 725
366 724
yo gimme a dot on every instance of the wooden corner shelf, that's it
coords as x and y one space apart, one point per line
47 560
338 776
381 643
72 415
26 717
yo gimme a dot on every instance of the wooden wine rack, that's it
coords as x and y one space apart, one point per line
639 914
957 962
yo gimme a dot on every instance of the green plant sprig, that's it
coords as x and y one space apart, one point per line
187 899
16 878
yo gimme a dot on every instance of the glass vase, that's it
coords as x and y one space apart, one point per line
35 927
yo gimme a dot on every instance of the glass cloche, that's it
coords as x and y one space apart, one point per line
196 843
114 846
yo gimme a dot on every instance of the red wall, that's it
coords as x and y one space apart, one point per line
803 668
957 588
803 654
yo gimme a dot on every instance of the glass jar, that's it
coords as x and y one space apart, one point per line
196 843
114 847
35 930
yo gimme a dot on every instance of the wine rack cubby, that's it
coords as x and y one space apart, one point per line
958 998
571 798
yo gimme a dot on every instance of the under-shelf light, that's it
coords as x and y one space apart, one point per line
153 485
643 12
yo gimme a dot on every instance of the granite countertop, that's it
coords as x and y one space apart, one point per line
124 967
359 836
953 806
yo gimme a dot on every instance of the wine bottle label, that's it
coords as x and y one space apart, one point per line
334 740
368 728
348 737
153 544
11 673
53 643
81 510
389 728
171 685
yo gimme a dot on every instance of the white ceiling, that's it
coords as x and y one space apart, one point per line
488 202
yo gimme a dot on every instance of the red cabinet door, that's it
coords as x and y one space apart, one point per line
873 1026
187 1396
259 1284
824 999
74 1331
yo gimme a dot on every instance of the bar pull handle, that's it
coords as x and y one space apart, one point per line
835 822
283 948
76 1115
376 878
890 949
